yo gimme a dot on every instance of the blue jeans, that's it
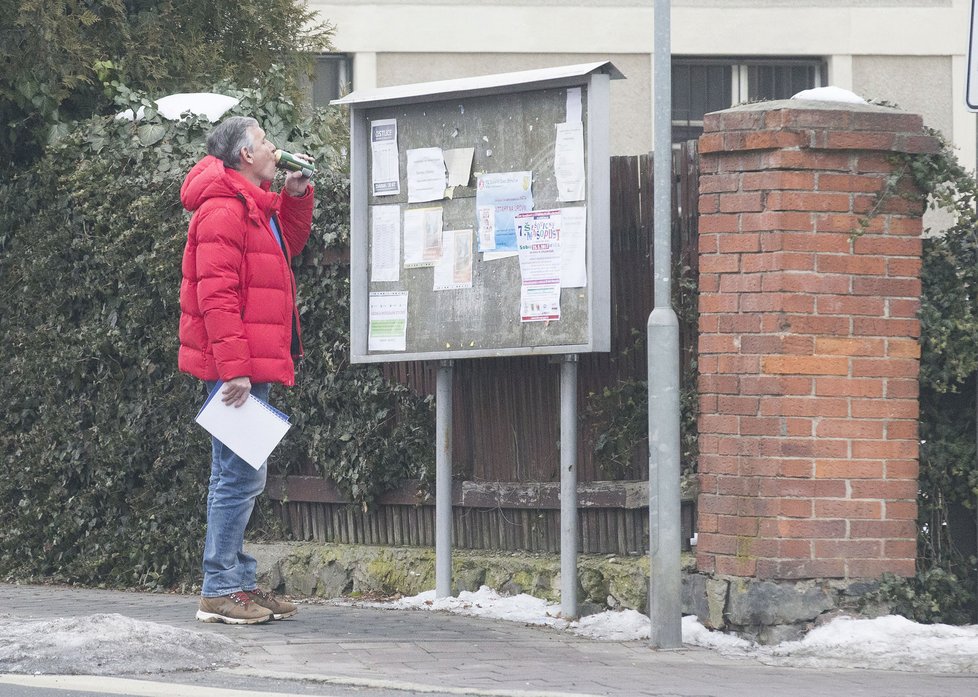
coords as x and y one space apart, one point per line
234 486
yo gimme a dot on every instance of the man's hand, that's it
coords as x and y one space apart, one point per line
235 391
295 183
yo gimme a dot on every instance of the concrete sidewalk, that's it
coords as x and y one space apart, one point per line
440 653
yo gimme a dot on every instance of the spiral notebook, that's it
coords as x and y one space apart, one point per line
252 430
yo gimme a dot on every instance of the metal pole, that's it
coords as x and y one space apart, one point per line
443 480
665 579
976 387
568 486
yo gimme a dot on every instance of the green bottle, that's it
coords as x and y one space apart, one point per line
286 160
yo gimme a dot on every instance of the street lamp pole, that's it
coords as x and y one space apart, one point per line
665 579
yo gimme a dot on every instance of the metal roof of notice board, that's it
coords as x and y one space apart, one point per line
483 84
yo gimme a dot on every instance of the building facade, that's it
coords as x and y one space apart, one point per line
910 53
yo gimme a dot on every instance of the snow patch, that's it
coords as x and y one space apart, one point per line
107 644
830 94
884 643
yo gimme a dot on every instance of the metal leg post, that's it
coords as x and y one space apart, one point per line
443 480
568 486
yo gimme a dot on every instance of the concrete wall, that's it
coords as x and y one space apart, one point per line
911 52
919 84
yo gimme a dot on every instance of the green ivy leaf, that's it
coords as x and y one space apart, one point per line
151 133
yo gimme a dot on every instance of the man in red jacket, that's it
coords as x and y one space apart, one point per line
239 324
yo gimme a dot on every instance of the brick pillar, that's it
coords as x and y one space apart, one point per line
809 342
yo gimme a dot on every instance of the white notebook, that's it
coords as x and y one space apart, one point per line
252 430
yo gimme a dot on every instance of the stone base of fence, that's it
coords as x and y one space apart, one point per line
764 611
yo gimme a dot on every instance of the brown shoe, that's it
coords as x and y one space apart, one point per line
280 608
234 608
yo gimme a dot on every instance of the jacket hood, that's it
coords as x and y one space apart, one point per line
209 179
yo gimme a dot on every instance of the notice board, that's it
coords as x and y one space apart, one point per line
480 216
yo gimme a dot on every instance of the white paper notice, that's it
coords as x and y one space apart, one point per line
486 216
506 193
426 179
387 322
538 238
539 303
454 269
385 243
459 165
569 161
573 105
573 247
422 237
385 173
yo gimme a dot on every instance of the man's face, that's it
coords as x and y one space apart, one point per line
259 163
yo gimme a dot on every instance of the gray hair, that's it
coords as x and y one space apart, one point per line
228 137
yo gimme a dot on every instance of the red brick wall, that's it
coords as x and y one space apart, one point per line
808 350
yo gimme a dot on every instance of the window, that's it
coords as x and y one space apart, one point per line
332 78
702 85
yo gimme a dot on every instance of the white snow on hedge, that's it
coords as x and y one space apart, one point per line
173 106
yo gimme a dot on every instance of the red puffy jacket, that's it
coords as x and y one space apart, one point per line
237 299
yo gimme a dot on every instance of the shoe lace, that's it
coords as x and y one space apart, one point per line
261 594
240 597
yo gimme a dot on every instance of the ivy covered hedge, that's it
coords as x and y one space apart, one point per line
945 587
104 469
